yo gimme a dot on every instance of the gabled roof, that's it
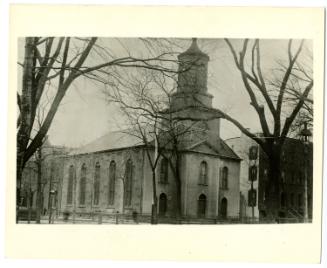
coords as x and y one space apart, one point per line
116 140
216 146
111 141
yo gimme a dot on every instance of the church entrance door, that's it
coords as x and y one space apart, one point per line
162 204
223 208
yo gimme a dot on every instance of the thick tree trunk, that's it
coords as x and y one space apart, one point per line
25 125
273 185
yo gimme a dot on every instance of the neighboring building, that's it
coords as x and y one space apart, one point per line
295 184
113 174
51 171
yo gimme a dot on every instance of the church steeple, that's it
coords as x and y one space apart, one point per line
193 50
192 78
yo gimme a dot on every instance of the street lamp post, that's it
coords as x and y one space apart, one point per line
51 196
305 134
123 200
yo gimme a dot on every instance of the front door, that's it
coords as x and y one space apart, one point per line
162 204
223 208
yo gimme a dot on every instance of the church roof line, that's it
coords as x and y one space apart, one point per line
113 140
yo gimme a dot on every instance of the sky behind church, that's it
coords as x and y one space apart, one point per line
85 114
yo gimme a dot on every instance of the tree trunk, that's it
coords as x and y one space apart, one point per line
154 216
25 125
273 185
178 188
19 171
39 186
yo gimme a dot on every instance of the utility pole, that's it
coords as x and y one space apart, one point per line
123 199
252 202
305 133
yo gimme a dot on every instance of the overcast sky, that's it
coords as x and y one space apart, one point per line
85 115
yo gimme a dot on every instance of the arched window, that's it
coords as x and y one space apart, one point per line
82 185
96 184
223 208
224 178
253 152
128 182
202 204
164 171
71 174
203 180
162 204
112 180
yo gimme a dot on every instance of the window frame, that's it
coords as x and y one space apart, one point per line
224 178
82 186
70 185
112 183
128 183
163 177
203 176
96 184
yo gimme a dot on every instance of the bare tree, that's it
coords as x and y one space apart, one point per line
59 62
145 100
276 98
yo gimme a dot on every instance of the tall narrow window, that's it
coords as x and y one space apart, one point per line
202 204
203 180
82 185
71 174
164 171
128 182
112 180
96 184
253 173
253 153
224 178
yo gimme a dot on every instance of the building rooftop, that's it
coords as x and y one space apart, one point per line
117 140
111 141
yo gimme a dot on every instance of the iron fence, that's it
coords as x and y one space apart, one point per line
136 218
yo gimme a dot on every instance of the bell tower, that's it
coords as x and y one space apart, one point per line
192 79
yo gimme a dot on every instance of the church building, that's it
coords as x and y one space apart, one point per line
112 174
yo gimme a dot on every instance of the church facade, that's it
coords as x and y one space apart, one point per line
113 174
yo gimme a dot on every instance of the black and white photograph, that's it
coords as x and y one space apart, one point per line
164 130
161 133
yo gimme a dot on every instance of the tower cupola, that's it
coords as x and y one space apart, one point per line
192 78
